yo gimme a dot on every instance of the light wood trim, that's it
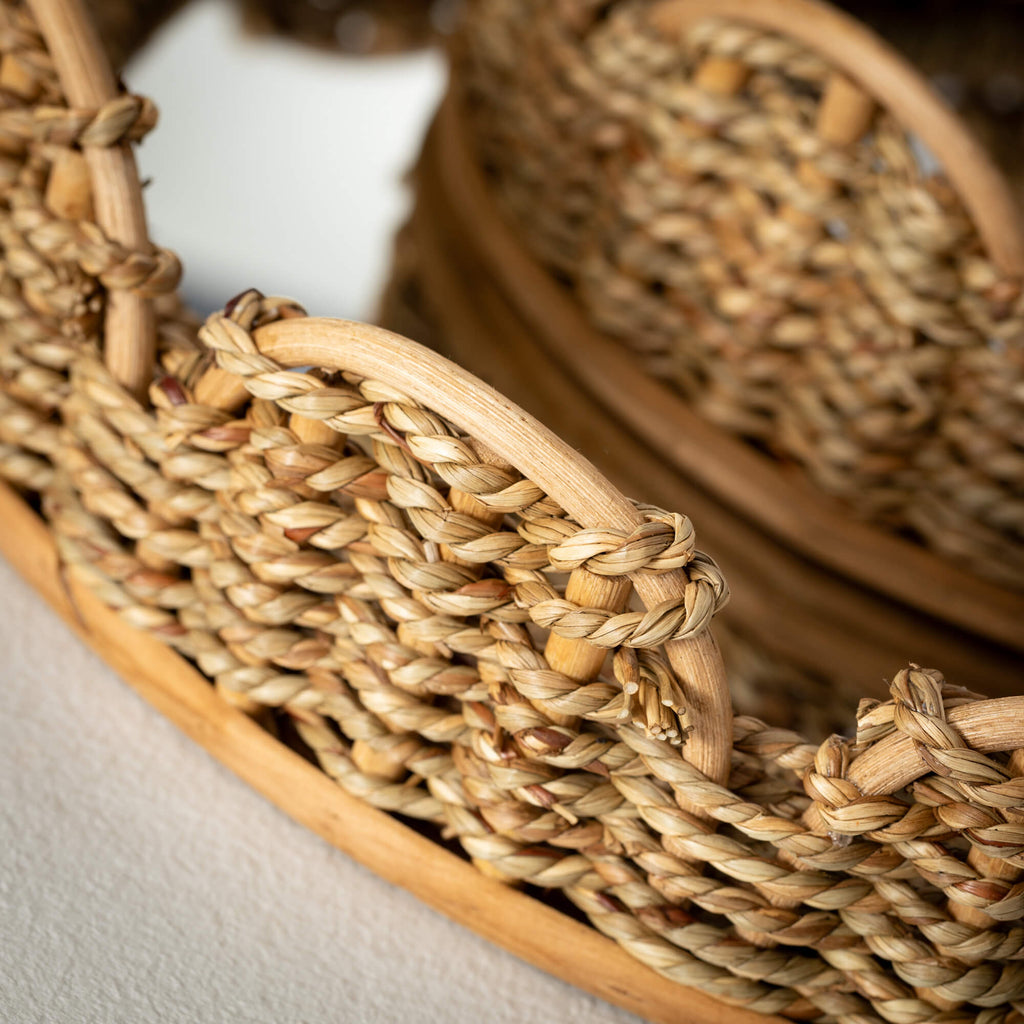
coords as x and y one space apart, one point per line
535 451
578 659
88 82
784 504
988 726
510 919
898 86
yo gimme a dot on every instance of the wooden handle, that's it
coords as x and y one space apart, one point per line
535 451
88 82
867 60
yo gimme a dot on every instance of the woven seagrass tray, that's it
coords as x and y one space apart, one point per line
383 593
588 226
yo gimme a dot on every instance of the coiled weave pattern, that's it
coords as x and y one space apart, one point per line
361 575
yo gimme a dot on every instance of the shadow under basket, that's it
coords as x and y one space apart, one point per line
577 276
382 593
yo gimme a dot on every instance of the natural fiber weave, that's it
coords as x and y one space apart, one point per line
360 572
829 302
765 683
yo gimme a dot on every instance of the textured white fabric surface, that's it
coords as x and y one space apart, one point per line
139 880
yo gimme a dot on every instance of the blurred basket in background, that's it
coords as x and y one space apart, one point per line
757 269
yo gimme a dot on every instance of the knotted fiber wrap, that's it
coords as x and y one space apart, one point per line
356 555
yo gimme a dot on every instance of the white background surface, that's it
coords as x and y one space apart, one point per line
275 165
139 880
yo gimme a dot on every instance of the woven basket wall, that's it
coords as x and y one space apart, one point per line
355 555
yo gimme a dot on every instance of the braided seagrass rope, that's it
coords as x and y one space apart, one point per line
35 236
126 118
310 552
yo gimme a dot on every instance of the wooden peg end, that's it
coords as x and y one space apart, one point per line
310 431
723 76
845 112
69 188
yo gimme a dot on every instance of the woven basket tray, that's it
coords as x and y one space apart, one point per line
367 582
484 271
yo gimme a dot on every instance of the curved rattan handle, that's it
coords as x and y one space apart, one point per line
534 450
894 83
87 80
